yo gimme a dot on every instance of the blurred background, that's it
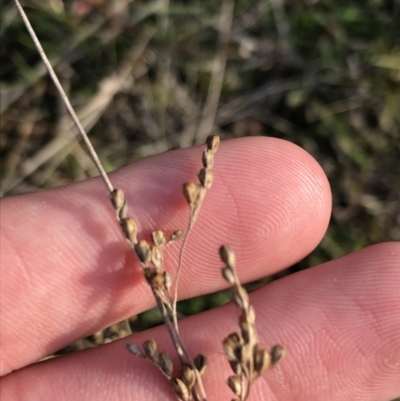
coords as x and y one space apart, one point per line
148 76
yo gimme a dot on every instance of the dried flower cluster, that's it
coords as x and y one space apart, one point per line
247 360
188 385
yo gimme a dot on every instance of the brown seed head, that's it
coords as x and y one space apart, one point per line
227 256
158 237
277 353
201 363
166 364
206 178
130 229
262 360
157 257
213 143
191 192
208 158
235 384
117 199
180 389
228 275
188 376
142 249
176 235
231 345
236 366
150 349
157 281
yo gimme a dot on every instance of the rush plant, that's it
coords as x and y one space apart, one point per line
247 359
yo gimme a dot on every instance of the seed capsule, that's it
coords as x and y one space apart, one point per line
228 275
158 237
191 192
213 142
150 349
176 235
188 376
227 256
235 384
157 257
262 360
201 363
206 178
180 389
165 363
130 229
142 249
277 353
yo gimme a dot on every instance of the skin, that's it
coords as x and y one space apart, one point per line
66 272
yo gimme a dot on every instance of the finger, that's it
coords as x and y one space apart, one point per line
339 323
67 271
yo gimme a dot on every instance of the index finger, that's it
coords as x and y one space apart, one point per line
67 271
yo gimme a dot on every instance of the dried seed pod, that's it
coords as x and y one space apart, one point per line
188 376
180 389
117 199
134 349
201 363
178 234
167 281
142 249
228 275
158 237
227 256
157 257
229 349
206 178
191 192
261 360
130 229
236 338
149 273
213 142
277 353
235 384
157 281
165 363
151 350
246 331
231 345
236 366
241 298
208 158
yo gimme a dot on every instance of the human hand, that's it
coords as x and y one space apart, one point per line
67 272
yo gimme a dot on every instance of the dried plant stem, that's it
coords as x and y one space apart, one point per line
246 359
64 97
68 105
195 194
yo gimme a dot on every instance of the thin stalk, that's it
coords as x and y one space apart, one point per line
64 97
